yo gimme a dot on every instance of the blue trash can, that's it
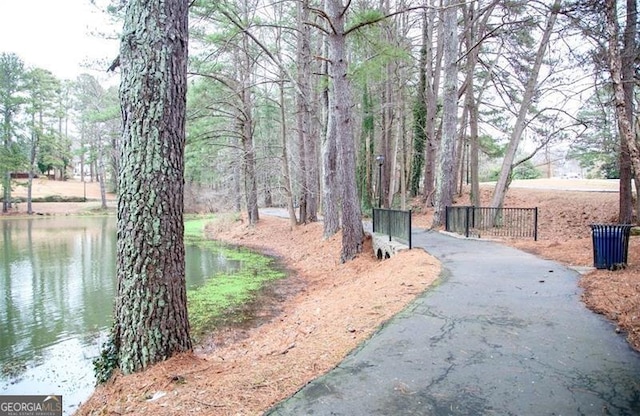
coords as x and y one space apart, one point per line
610 245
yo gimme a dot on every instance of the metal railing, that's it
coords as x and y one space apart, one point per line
497 222
394 223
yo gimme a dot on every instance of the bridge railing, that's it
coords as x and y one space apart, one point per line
394 223
497 222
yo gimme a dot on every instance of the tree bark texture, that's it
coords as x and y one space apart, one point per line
445 174
303 115
330 176
150 309
433 86
286 172
420 113
329 163
365 149
341 106
331 222
628 58
246 130
615 68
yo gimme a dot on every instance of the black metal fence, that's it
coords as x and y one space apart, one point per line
496 222
394 223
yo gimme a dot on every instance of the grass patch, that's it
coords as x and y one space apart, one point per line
222 295
52 198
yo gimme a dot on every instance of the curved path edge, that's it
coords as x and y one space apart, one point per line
502 333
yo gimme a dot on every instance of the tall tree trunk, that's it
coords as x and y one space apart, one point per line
286 173
460 153
302 120
475 29
474 147
365 161
286 170
404 156
246 130
507 164
628 58
102 175
445 177
330 175
32 159
433 86
249 163
330 187
151 306
6 192
341 105
420 113
615 68
237 169
386 138
306 143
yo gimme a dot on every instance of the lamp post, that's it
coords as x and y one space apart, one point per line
380 160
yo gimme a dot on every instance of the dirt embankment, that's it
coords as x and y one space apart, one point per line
45 188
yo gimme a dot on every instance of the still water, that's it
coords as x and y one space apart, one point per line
57 282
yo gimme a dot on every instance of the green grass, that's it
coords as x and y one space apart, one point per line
222 294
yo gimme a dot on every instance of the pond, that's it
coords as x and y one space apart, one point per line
57 277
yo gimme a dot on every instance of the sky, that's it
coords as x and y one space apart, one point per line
59 35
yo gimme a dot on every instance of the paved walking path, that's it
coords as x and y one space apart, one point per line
502 333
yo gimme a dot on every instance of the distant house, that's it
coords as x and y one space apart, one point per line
21 175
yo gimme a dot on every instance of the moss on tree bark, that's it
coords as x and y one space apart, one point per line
150 311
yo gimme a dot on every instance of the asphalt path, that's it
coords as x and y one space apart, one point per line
502 332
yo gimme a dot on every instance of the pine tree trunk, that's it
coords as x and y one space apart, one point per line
102 181
246 130
341 106
150 310
445 176
420 113
473 31
628 58
433 86
330 174
32 162
286 173
615 68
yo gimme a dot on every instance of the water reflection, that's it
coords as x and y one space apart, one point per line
58 281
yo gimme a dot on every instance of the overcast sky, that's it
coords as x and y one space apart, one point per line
58 35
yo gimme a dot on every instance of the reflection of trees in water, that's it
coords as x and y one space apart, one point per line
57 277
57 281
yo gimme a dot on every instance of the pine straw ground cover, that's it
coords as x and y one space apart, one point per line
328 309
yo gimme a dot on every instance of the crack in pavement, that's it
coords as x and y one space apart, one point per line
502 333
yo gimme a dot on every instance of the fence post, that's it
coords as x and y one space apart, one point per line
473 217
410 227
535 224
373 219
446 218
466 221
